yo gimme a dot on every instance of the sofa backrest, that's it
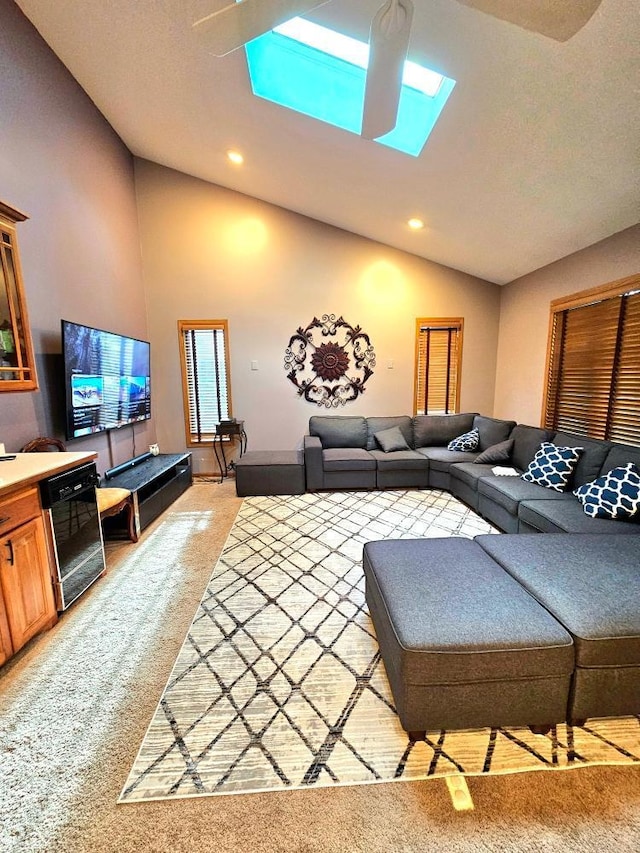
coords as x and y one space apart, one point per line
492 430
526 440
591 459
439 430
378 424
619 455
339 430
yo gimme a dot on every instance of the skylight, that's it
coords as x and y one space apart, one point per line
356 52
321 73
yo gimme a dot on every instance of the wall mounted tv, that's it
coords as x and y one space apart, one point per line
106 379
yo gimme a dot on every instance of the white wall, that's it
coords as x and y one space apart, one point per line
524 318
211 253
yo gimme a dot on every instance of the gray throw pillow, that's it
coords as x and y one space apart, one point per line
391 439
500 452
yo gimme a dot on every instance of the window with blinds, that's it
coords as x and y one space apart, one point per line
205 377
593 365
438 365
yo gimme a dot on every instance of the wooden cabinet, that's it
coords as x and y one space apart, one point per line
26 605
17 364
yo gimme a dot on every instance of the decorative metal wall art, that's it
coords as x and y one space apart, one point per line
329 373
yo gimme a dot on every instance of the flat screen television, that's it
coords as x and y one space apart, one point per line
107 379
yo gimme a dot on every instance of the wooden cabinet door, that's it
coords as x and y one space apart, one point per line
26 583
6 646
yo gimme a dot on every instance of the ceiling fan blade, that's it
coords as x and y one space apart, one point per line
238 23
557 19
388 45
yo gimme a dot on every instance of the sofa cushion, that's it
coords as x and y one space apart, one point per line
378 424
591 584
438 430
615 494
400 460
552 466
467 441
470 472
507 492
526 440
568 517
594 452
620 454
492 430
440 459
500 452
391 439
339 430
347 459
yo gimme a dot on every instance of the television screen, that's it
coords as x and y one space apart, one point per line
106 379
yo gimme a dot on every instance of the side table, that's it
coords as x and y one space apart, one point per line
231 429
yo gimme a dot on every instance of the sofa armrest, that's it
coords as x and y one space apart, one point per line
313 463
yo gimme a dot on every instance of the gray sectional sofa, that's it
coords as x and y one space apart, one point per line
529 630
343 452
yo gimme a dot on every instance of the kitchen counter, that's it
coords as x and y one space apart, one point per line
28 468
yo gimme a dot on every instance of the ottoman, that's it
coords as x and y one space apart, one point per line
270 472
463 643
591 584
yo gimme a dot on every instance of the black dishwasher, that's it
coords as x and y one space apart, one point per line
70 499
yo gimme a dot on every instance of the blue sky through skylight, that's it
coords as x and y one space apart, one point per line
321 73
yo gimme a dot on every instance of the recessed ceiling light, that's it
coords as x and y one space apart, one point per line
235 157
415 224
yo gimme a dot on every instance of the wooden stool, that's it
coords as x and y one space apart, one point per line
39 444
113 501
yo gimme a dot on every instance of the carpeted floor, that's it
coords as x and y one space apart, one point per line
75 704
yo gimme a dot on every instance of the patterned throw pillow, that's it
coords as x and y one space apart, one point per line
467 441
552 466
614 495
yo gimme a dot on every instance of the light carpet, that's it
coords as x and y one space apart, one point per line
279 683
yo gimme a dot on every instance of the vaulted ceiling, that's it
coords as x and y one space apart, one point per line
536 154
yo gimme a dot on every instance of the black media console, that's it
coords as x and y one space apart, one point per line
154 481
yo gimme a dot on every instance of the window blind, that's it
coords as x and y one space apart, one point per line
205 379
593 381
624 412
438 347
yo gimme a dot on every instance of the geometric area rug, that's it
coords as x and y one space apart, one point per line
279 683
